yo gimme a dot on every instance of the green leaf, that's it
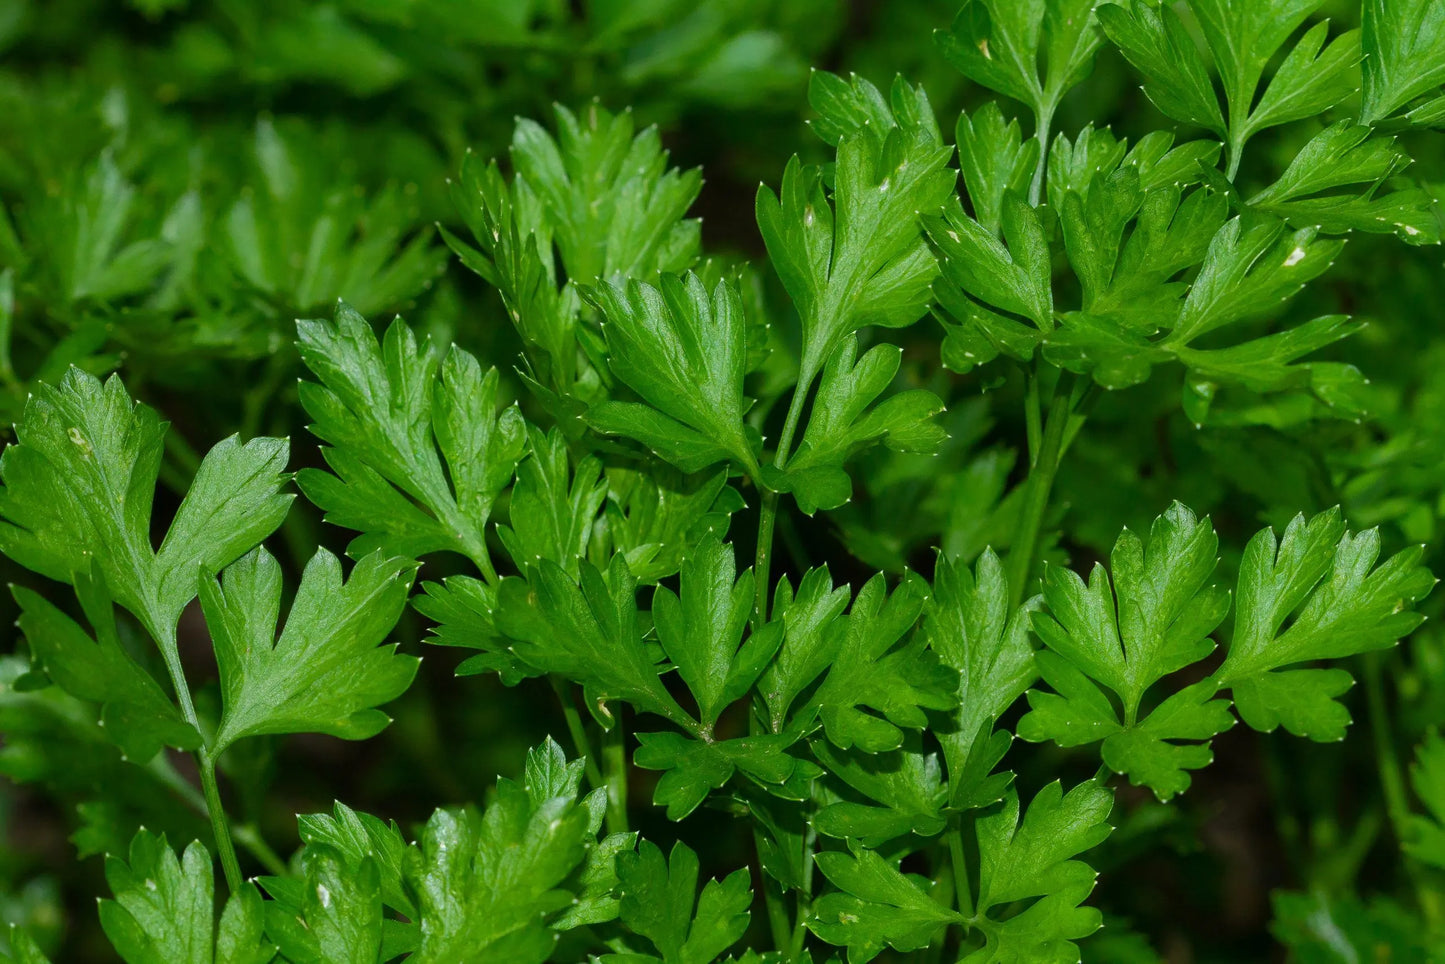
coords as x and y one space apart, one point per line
857 257
969 626
327 672
338 919
163 911
490 887
600 200
615 207
702 630
875 906
1404 45
1166 608
999 44
904 787
1013 275
1248 270
23 949
685 353
1243 37
660 901
587 632
1311 79
1339 156
79 485
303 236
845 420
1033 858
883 677
810 640
994 160
553 510
358 837
655 517
1426 838
1323 581
136 712
693 768
1156 42
419 451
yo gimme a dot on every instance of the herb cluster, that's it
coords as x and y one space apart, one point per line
826 553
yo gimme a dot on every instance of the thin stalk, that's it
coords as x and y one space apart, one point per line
1236 151
1392 779
1039 487
960 871
580 743
1046 120
614 769
768 517
805 896
773 896
206 763
246 834
219 828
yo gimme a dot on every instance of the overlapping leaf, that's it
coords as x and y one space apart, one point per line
1154 620
1314 594
855 256
419 450
163 911
327 672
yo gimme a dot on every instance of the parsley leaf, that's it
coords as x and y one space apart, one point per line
970 628
326 672
882 676
136 713
658 898
1404 43
701 631
1034 857
586 631
163 911
79 486
845 420
332 913
1344 154
598 199
1000 44
490 885
685 353
1314 594
1166 608
903 788
856 257
419 451
1243 38
1426 840
875 906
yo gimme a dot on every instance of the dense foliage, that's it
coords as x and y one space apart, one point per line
966 553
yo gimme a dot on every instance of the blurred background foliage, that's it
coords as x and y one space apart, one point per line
180 180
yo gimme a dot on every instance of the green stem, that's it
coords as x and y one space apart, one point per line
805 896
773 896
768 517
1045 119
580 743
614 768
1392 779
960 870
227 850
246 834
205 761
1038 488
